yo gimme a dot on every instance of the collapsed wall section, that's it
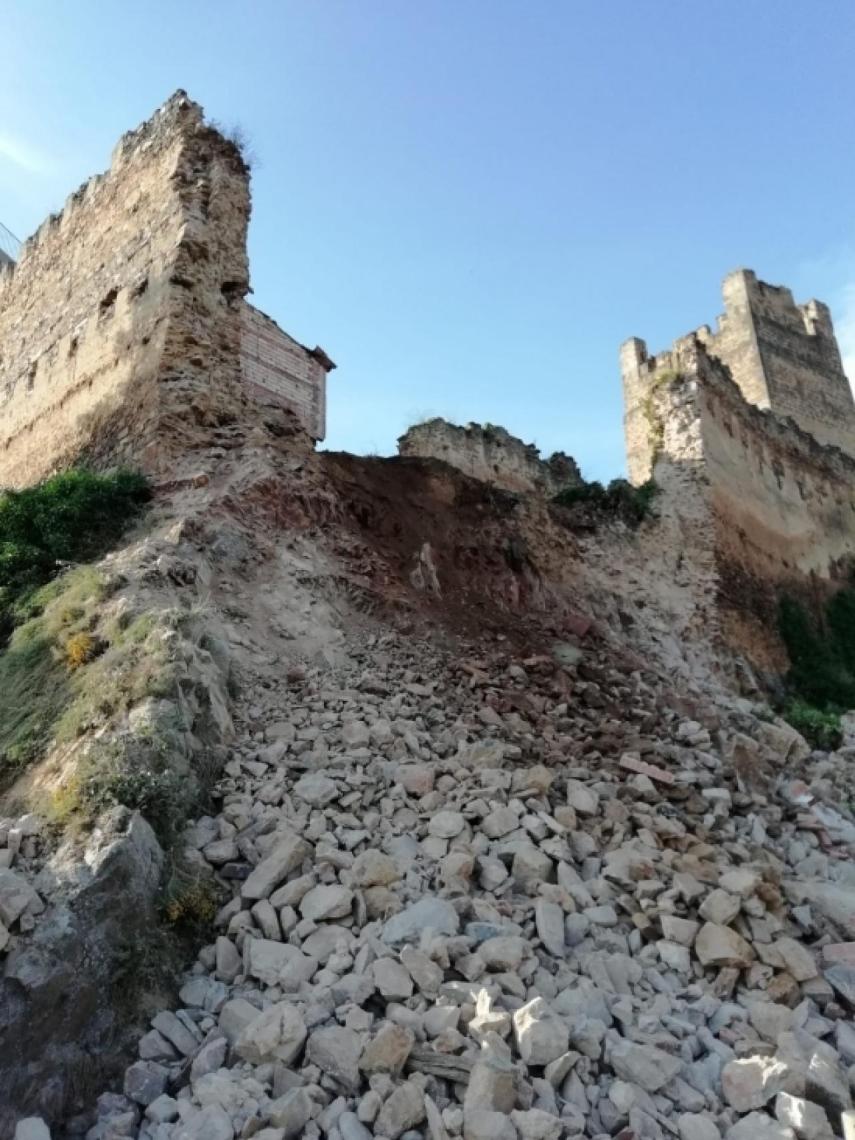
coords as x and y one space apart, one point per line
119 324
492 455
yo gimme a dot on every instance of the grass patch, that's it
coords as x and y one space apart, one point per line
34 690
619 499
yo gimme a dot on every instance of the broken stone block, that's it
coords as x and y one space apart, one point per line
718 945
540 1034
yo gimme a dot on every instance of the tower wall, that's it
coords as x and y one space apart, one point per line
120 322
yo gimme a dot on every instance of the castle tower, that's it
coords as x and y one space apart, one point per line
783 356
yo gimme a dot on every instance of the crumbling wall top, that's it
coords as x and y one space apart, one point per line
490 453
176 119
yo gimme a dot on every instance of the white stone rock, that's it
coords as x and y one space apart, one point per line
758 1126
316 789
797 959
680 930
392 979
644 1065
531 867
291 1112
428 913
718 945
446 824
277 963
277 1034
535 1124
751 1082
719 907
581 798
32 1128
326 901
482 1124
540 1034
16 895
549 920
500 822
807 1120
336 1050
404 1109
286 856
210 1123
374 869
697 1126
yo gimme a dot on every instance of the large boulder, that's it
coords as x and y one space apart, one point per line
64 992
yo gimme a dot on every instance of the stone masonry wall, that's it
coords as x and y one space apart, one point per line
492 455
276 367
120 323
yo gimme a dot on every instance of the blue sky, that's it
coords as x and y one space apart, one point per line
470 203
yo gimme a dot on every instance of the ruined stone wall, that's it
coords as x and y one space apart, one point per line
492 455
276 367
781 506
120 322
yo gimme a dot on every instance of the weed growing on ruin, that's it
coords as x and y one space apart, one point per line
240 139
619 498
655 422
80 649
821 678
190 900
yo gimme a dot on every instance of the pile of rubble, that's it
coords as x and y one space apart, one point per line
509 898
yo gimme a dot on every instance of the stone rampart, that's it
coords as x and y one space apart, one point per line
492 455
120 322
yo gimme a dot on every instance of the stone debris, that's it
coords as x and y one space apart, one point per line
462 899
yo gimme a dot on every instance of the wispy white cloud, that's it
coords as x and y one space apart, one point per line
23 155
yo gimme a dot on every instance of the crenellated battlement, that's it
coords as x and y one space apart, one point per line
782 355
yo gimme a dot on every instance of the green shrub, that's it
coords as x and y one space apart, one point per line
72 517
620 498
821 678
821 729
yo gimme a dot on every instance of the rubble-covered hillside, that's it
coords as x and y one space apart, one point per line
497 851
